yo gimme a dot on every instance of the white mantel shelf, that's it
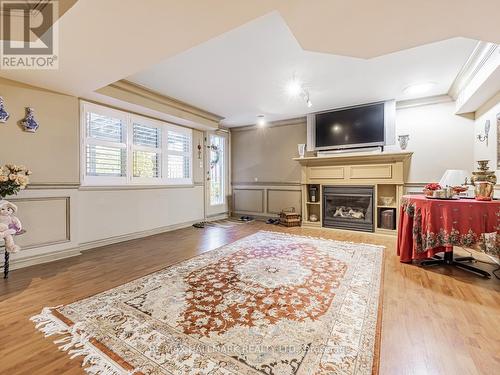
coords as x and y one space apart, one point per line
355 158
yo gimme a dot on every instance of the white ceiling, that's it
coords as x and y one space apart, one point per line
101 42
244 72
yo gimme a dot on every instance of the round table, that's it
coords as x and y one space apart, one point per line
430 226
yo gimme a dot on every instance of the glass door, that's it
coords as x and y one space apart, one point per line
216 174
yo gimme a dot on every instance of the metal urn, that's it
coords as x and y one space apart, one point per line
484 181
483 174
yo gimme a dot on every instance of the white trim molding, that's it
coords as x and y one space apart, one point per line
479 79
472 66
133 236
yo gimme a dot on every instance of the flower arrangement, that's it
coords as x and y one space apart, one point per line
429 189
13 178
433 186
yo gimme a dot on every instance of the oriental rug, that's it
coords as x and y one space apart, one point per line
268 304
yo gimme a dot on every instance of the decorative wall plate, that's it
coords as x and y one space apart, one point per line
4 115
29 123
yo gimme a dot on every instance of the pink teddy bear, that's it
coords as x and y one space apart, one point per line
9 225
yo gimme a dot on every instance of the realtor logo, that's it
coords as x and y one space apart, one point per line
29 34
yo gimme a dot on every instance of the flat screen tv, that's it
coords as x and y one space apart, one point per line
353 127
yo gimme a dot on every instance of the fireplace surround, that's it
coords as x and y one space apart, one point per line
382 173
348 207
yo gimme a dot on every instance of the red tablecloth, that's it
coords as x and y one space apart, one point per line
429 226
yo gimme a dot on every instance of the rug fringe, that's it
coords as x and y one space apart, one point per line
77 344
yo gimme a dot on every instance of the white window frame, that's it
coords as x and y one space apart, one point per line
128 120
153 124
189 133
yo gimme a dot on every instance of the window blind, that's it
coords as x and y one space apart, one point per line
105 128
122 148
146 164
178 166
147 136
106 161
178 141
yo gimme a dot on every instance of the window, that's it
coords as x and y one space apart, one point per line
179 155
121 148
217 165
146 148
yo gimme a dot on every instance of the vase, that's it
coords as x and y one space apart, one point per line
483 190
403 141
302 149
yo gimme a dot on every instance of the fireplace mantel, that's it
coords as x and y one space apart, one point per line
356 158
386 172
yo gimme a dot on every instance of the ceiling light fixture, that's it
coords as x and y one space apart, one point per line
296 89
419 88
261 121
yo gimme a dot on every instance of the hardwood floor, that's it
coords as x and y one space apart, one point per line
435 320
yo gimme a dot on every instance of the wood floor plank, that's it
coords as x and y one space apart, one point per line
435 320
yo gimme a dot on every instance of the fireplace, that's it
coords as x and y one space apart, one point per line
348 207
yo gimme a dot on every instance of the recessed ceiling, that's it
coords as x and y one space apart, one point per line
244 73
129 36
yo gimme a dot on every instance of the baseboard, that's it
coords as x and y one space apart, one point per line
133 236
222 216
17 263
256 216
43 258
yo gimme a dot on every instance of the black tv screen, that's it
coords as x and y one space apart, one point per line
351 127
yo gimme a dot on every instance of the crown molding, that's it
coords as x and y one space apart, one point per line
429 100
135 89
272 124
472 66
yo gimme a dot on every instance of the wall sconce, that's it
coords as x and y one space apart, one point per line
484 137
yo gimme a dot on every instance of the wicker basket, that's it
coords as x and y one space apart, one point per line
289 218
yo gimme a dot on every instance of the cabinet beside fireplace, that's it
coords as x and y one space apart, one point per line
381 175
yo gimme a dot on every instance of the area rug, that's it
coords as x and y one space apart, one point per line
271 303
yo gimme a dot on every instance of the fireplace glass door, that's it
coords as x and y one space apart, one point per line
348 207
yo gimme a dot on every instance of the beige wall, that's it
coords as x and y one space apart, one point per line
266 154
51 152
265 179
491 151
198 169
107 214
439 139
60 217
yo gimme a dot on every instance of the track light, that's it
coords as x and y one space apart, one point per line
295 88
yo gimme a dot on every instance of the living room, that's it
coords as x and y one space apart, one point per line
249 187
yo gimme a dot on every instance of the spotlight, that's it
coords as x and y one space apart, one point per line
261 121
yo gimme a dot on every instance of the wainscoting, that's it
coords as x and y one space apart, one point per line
49 217
265 199
63 221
